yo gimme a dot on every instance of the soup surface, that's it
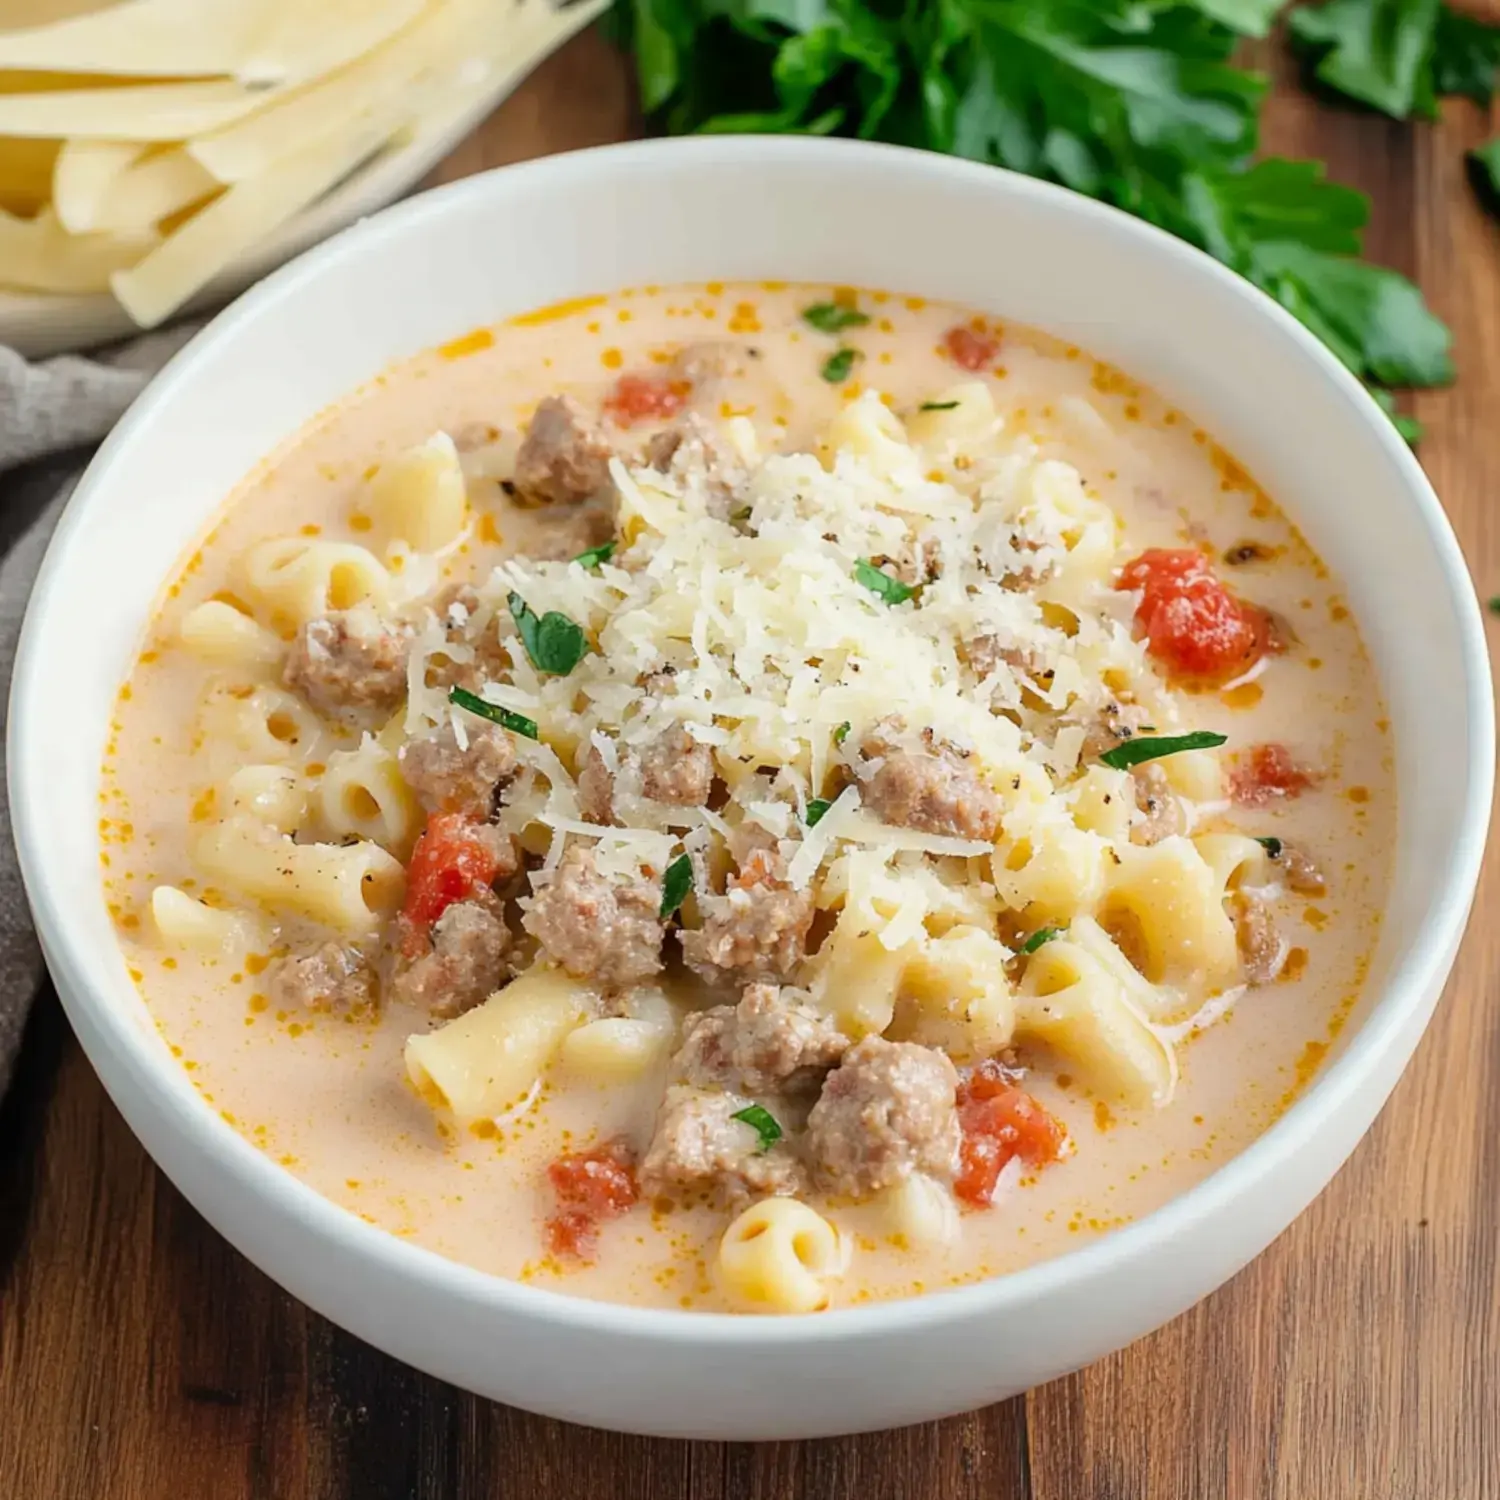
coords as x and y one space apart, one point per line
749 797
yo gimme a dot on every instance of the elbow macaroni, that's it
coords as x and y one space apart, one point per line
619 1047
263 723
959 418
1168 894
271 795
490 1059
870 431
182 921
1234 860
1197 775
295 579
362 794
419 497
921 1212
1078 1004
227 637
954 995
616 1047
1052 871
1102 801
347 888
858 977
779 1255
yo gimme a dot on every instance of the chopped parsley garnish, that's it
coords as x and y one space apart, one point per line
1143 747
881 584
504 717
740 515
554 643
762 1122
816 807
937 406
1271 846
675 885
1494 604
1039 938
596 555
837 366
830 317
842 732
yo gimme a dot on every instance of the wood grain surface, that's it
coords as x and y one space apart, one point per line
142 1358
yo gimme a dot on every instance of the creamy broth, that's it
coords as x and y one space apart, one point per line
326 1095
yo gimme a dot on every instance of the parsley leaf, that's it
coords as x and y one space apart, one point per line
1248 17
762 1122
1039 938
842 732
1135 102
837 366
1493 604
1485 163
675 885
816 807
1376 51
1398 56
937 406
596 555
516 723
1465 56
1137 751
1272 846
881 584
554 643
1282 226
830 317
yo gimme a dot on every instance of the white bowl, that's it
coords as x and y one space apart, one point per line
754 208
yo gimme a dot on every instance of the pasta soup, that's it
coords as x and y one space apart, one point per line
749 797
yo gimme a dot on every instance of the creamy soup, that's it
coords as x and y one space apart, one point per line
749 797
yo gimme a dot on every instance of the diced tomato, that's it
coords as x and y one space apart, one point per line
1000 1122
591 1187
1160 569
970 350
450 863
646 398
601 1181
573 1234
1267 773
1194 626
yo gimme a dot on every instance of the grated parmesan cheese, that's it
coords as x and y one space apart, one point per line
761 639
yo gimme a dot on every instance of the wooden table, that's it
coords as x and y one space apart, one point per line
1358 1359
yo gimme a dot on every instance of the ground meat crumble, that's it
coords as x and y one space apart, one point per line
596 927
350 664
889 1109
757 930
773 1041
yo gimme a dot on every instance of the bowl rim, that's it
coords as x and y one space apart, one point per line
132 1052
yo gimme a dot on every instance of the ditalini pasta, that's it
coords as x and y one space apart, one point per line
643 803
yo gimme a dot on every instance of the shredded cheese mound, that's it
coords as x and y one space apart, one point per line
746 622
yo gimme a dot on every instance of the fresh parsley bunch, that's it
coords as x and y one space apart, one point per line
1401 57
1398 56
1134 102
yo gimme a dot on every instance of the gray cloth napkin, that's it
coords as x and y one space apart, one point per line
49 414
